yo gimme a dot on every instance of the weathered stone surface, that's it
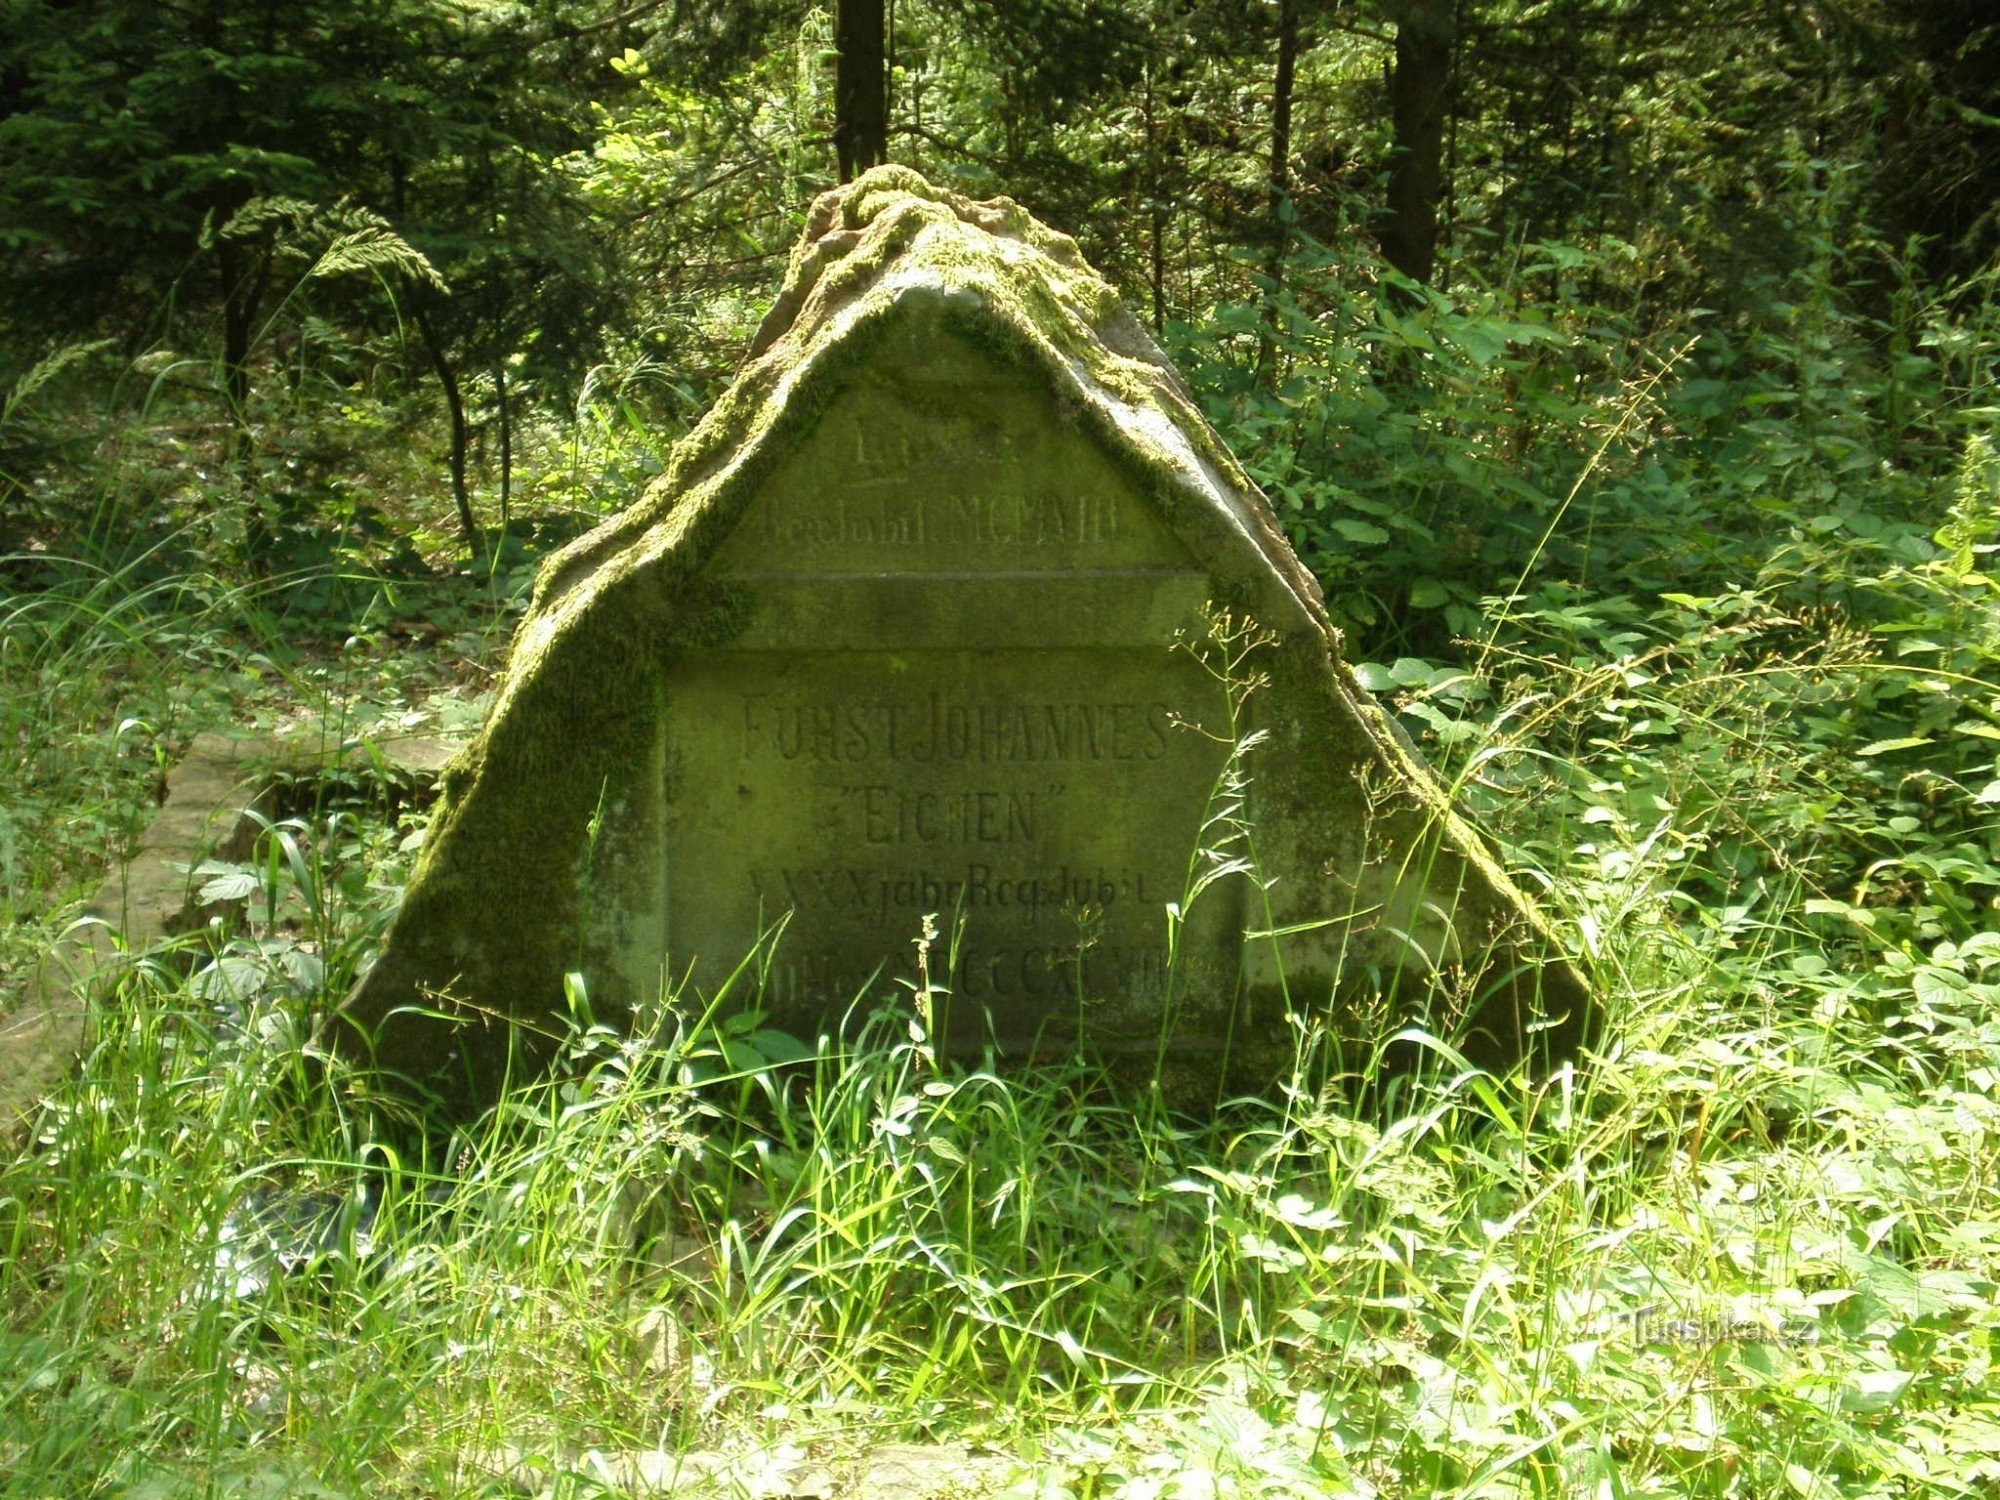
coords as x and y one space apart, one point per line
916 623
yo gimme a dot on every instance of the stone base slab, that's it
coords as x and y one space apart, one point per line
214 799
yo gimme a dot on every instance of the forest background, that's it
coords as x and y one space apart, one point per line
1624 368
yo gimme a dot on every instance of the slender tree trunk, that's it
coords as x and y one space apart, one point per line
1156 209
1455 108
1418 89
861 86
244 268
1280 186
506 443
237 320
454 401
244 265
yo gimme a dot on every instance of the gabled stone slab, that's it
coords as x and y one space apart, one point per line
920 622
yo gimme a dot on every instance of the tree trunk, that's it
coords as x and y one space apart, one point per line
454 402
1280 185
238 316
243 267
1418 89
506 444
1156 212
861 87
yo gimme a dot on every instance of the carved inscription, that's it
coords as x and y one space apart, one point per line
1045 803
902 488
874 895
962 480
1029 973
895 816
977 715
863 513
931 728
999 821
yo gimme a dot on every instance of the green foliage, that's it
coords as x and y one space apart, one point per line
1420 456
384 144
704 168
117 170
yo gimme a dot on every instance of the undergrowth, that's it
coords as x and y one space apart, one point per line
1748 1249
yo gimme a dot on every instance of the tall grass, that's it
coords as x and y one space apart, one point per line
1749 1249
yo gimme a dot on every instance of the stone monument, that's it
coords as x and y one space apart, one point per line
955 607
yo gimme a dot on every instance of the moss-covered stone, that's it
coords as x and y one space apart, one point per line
896 634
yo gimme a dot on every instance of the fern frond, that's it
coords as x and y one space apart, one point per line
337 239
375 249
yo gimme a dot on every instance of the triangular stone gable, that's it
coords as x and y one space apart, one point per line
913 626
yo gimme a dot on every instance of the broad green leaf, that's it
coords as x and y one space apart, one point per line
227 882
1365 533
1411 671
779 1046
307 971
233 978
1302 1213
1873 1390
1885 747
1933 986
